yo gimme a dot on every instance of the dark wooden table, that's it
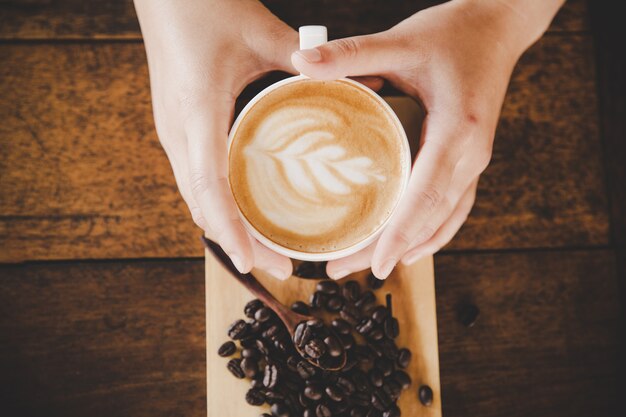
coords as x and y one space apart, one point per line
101 281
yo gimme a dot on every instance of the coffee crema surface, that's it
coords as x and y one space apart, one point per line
317 166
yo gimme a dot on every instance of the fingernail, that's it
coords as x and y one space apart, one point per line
412 258
339 274
310 55
386 268
278 274
236 260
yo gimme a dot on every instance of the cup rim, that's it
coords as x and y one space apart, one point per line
340 253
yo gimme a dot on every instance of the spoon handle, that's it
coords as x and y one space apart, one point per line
249 281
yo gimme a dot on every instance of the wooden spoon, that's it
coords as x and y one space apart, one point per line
290 318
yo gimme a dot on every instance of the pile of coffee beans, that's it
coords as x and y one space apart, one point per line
367 385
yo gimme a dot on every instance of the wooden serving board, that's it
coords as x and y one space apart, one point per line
413 289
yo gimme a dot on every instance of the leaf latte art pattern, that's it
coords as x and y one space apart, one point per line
309 169
309 158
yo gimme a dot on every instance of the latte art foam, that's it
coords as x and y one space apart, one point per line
316 166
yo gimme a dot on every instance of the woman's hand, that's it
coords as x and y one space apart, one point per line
201 54
456 59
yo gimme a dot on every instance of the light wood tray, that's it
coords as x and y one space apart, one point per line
413 290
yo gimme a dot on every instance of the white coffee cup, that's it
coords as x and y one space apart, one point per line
310 37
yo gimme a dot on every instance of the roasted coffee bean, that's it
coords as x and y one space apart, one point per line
392 388
272 397
322 411
468 314
263 314
376 334
358 412
379 314
390 350
351 291
333 346
328 287
255 397
392 329
350 314
262 347
376 349
380 400
301 307
298 334
238 330
394 411
313 392
315 323
346 385
234 366
309 412
280 410
402 378
315 348
249 367
365 326
251 308
248 342
425 395
374 283
376 377
359 378
272 332
318 300
256 383
292 363
341 326
404 358
361 398
307 270
270 376
334 303
385 366
254 328
281 345
250 353
347 341
227 349
306 370
334 393
365 299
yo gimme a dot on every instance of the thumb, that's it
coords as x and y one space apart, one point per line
359 55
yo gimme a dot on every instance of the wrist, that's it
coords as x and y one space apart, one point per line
516 24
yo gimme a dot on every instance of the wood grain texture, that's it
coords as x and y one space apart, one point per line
82 174
127 338
416 315
102 339
546 341
545 186
610 44
115 19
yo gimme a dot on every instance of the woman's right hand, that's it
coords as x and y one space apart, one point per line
201 55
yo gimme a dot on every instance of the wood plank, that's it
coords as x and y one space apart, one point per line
609 35
546 174
545 342
127 338
83 175
115 19
102 339
416 314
